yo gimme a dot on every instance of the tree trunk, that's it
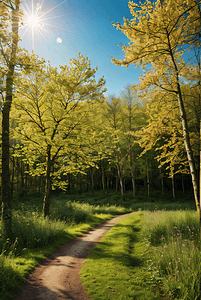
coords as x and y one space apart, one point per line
189 154
6 189
173 189
162 183
92 181
121 183
22 174
48 186
26 178
108 182
103 180
133 184
148 183
13 174
186 136
200 177
131 169
116 185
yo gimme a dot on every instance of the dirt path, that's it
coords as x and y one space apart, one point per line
57 277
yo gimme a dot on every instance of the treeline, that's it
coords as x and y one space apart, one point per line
122 143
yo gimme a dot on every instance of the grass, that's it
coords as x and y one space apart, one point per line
116 268
148 255
173 244
36 237
135 261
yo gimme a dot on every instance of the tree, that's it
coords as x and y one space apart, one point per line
10 18
133 117
159 34
114 142
52 107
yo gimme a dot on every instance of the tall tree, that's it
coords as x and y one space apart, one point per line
52 108
159 35
10 18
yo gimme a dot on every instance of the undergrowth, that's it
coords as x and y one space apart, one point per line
173 244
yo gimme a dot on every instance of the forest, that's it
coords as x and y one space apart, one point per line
66 135
61 134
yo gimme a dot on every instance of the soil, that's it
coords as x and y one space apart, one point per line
57 277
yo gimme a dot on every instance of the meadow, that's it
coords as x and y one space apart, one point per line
159 245
148 255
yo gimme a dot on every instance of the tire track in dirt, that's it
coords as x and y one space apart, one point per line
57 277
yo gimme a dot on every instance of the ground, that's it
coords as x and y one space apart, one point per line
57 277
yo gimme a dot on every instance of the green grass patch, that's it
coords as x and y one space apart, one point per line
115 268
148 255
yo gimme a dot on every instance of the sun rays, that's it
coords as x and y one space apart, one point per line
37 21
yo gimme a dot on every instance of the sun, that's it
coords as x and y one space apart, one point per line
33 21
36 20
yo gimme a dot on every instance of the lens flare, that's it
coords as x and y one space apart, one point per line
59 40
35 20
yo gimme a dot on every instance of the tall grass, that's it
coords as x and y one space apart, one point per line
173 252
31 230
32 234
76 212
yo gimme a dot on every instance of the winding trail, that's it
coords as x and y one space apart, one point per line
57 278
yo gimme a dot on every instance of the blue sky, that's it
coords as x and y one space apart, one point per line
83 25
